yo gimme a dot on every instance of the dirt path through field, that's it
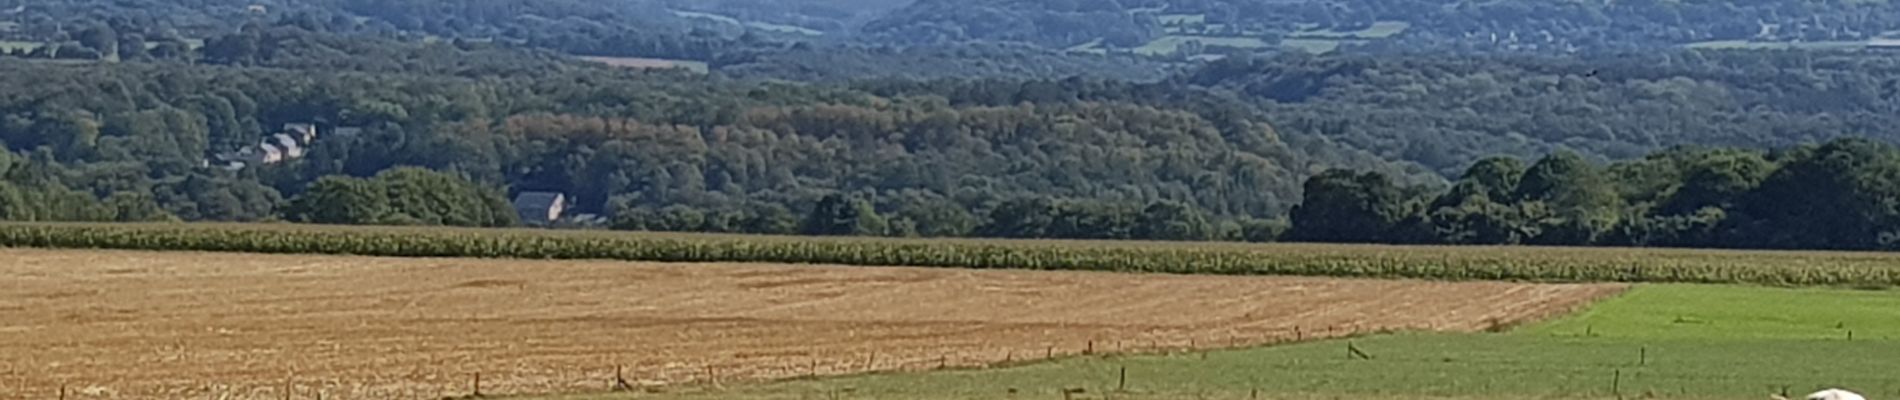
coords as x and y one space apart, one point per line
142 325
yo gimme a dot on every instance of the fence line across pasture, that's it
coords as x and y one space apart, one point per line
618 376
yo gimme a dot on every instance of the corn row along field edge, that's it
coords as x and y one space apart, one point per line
1415 262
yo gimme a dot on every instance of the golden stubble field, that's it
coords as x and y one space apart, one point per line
145 325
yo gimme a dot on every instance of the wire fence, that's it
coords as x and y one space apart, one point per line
702 374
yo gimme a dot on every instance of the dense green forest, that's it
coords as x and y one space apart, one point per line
840 120
1836 195
834 39
650 149
170 29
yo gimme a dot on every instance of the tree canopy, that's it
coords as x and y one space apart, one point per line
1836 195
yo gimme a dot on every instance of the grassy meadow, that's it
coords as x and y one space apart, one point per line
1663 341
698 67
1753 45
781 28
7 45
1315 46
1168 44
1380 29
1729 313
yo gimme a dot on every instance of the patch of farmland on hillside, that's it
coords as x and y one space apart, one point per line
650 63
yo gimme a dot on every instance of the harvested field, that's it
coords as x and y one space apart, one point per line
115 324
650 63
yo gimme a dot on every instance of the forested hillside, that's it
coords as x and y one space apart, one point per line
838 39
843 118
1448 111
1394 25
686 152
819 45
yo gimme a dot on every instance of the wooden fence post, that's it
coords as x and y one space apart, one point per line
478 384
1354 352
620 380
1616 384
1122 385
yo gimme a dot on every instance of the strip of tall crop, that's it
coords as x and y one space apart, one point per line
1551 265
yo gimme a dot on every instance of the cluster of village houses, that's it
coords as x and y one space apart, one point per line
289 144
534 208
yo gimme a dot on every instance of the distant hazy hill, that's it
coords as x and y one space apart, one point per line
1162 26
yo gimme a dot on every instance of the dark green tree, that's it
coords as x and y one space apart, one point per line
1169 220
1026 217
936 217
101 38
1345 206
1582 202
136 207
1839 195
341 200
841 215
1716 181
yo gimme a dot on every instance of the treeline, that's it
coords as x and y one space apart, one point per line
1021 218
402 196
1837 195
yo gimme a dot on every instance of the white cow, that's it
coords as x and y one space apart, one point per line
1830 394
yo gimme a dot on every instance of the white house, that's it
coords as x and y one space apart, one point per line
261 154
305 133
540 208
288 144
292 143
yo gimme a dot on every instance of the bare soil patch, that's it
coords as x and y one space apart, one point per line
650 63
115 324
